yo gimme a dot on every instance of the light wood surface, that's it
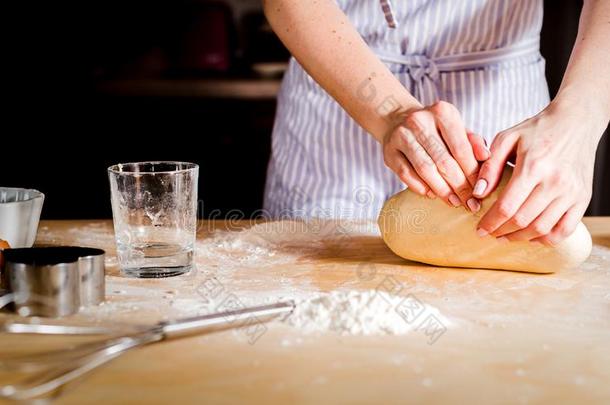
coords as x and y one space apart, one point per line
510 337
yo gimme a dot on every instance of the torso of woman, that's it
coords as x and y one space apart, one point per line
480 55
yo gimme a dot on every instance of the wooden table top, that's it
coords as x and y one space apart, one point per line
508 337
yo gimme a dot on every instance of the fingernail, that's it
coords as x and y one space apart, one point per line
479 187
502 239
454 200
473 204
482 233
431 194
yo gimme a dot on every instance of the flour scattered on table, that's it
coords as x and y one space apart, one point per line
279 241
223 259
239 247
361 313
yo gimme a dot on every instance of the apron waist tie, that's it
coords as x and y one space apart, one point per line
425 71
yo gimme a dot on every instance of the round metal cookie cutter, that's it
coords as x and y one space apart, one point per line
53 281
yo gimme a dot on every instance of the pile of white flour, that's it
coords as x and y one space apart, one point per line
351 312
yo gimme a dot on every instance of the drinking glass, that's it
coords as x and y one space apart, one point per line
154 209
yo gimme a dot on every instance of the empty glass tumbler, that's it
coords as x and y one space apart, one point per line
154 208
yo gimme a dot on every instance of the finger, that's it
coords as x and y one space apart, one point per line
423 126
535 204
565 226
454 134
481 153
508 203
399 164
544 223
425 167
491 171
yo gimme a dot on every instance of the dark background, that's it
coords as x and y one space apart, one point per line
99 82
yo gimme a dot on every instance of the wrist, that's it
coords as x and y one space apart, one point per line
584 107
395 117
570 124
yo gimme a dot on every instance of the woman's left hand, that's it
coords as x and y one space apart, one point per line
550 188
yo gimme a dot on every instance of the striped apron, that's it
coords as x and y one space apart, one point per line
480 55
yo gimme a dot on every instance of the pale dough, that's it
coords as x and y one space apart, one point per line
429 231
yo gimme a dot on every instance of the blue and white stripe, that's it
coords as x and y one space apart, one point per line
480 55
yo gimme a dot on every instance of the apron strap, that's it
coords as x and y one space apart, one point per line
425 71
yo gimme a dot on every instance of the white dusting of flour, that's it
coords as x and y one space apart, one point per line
227 276
368 312
350 313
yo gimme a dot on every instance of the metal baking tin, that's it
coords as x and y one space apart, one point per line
54 281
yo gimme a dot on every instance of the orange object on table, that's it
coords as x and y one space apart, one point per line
3 245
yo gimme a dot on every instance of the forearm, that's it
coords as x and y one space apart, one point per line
320 36
586 83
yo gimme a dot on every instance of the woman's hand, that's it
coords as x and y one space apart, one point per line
550 188
433 154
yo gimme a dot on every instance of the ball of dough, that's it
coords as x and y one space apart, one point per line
429 231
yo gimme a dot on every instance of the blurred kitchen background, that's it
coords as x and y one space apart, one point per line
100 82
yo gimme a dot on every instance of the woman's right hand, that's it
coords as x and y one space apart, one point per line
434 155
